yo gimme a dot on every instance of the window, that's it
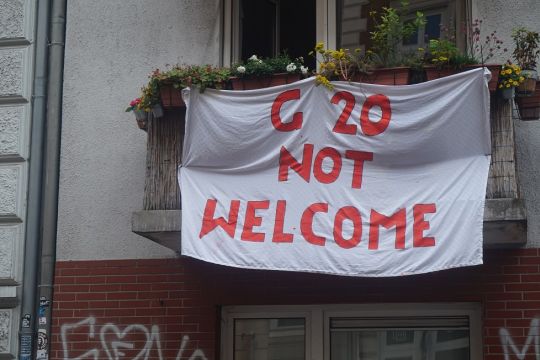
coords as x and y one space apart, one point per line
354 23
352 332
268 27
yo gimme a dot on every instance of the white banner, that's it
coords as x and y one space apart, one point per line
364 180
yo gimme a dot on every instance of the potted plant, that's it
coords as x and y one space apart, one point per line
527 49
171 82
256 73
141 116
341 65
509 78
448 59
389 31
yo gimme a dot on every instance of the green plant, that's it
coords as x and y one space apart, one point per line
414 59
149 96
527 48
340 64
134 105
390 30
482 49
510 76
199 76
255 66
179 76
442 51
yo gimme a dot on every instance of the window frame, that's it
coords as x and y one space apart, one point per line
230 52
317 320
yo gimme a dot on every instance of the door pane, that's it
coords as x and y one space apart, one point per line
269 339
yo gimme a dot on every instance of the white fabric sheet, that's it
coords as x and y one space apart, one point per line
416 207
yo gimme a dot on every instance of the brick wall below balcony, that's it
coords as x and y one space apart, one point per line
130 306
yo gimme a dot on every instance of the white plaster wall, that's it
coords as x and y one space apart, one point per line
111 47
503 16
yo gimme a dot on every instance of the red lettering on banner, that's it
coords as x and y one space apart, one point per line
330 177
306 223
279 235
420 225
297 119
369 127
251 220
397 220
348 213
286 161
341 125
359 157
209 223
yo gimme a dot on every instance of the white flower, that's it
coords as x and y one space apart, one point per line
241 69
253 57
303 70
291 67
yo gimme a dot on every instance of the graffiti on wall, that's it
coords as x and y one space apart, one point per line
115 342
509 347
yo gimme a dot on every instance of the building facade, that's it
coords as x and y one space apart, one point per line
118 294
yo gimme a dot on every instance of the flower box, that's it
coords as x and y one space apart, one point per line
528 86
259 82
433 72
171 97
388 76
529 106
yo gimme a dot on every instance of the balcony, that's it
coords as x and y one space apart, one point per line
505 222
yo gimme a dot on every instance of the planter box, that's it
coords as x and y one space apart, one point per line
433 73
388 76
529 106
251 83
171 98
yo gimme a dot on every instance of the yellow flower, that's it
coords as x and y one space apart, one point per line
500 86
507 85
319 46
521 78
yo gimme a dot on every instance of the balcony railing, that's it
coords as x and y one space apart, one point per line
505 222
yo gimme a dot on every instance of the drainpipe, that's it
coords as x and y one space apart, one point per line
51 171
33 214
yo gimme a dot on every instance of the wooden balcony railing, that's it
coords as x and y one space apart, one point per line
504 216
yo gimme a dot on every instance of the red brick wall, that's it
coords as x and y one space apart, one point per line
173 298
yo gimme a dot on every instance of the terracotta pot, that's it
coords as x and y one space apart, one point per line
432 73
528 86
251 83
529 106
171 97
387 76
495 70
